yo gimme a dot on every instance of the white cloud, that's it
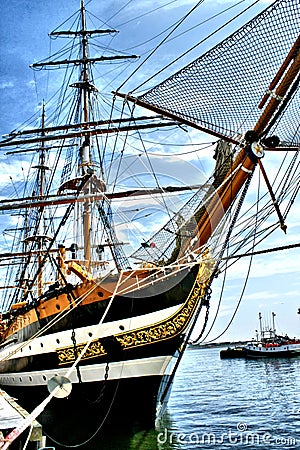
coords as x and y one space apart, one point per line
6 84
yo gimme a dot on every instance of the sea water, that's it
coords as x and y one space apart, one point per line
223 404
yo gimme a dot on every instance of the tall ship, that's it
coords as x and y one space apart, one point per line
111 242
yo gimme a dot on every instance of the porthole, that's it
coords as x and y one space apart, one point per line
42 345
100 294
44 378
57 306
58 341
122 328
90 334
30 378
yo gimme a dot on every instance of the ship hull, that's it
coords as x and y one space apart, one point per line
261 353
270 355
96 408
122 379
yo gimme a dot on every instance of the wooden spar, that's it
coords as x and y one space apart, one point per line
69 126
279 93
227 192
280 72
28 253
85 149
82 60
82 32
35 202
5 256
180 120
87 133
41 178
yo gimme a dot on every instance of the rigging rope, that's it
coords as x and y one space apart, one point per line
225 244
40 408
159 45
185 53
247 276
262 252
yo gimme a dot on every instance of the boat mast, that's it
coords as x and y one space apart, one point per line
246 160
85 149
260 326
41 178
273 320
87 129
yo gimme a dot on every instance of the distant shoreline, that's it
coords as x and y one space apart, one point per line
219 344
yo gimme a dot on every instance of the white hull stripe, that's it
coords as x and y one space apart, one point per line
52 342
280 349
159 365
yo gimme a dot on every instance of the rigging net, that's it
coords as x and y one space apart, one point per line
221 90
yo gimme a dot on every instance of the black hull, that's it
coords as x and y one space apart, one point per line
132 393
230 353
172 291
245 353
269 355
95 409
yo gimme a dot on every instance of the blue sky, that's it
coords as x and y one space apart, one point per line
274 279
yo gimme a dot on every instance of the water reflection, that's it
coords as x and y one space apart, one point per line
124 439
216 401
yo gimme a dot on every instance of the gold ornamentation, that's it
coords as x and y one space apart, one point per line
160 331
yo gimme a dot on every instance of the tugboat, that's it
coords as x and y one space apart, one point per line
267 344
272 345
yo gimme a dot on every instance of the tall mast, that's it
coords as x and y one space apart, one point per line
273 323
85 149
260 326
41 169
83 115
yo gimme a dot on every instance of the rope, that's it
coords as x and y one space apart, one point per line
247 276
260 252
159 45
40 408
233 222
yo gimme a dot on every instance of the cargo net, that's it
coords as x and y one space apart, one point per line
164 247
221 90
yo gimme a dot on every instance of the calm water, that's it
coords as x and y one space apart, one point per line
225 404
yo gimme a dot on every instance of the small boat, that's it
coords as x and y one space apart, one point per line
266 345
233 352
272 345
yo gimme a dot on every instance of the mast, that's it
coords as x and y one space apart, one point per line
41 193
245 162
273 322
85 149
260 326
86 89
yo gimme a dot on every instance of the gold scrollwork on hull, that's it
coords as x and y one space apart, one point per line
160 331
163 330
67 355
